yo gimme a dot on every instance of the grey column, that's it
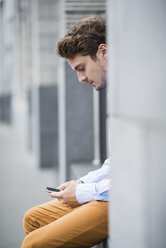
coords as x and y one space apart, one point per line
43 93
6 61
137 116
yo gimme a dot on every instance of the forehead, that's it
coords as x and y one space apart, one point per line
78 60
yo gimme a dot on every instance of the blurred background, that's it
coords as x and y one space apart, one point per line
53 129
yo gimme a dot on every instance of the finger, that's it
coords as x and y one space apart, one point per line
55 195
63 186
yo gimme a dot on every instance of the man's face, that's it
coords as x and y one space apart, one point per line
91 71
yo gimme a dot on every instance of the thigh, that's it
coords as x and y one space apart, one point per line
85 226
44 214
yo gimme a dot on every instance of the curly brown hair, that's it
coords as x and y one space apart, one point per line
84 38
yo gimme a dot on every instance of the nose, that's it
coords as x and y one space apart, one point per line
81 77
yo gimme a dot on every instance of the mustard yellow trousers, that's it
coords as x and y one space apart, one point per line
54 224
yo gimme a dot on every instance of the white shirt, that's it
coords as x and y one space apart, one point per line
95 185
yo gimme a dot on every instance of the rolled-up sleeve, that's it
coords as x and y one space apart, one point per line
97 175
93 191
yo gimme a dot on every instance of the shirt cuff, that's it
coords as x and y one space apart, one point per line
86 192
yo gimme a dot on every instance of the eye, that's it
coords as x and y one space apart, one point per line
81 68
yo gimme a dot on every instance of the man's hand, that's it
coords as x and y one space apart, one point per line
67 195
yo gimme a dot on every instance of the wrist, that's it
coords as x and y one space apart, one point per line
79 181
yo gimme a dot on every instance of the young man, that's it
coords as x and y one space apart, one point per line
78 217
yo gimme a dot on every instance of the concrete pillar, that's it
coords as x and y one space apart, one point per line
43 93
6 61
79 120
1 49
21 67
1 61
137 116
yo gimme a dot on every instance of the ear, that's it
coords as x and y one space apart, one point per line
102 50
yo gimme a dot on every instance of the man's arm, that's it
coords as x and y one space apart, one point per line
98 175
93 191
74 193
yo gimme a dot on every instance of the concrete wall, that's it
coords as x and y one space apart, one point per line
137 116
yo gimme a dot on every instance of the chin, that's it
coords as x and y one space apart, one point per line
100 88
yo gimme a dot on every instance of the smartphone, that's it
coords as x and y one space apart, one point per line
50 190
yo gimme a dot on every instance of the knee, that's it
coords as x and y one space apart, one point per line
29 222
35 240
28 242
